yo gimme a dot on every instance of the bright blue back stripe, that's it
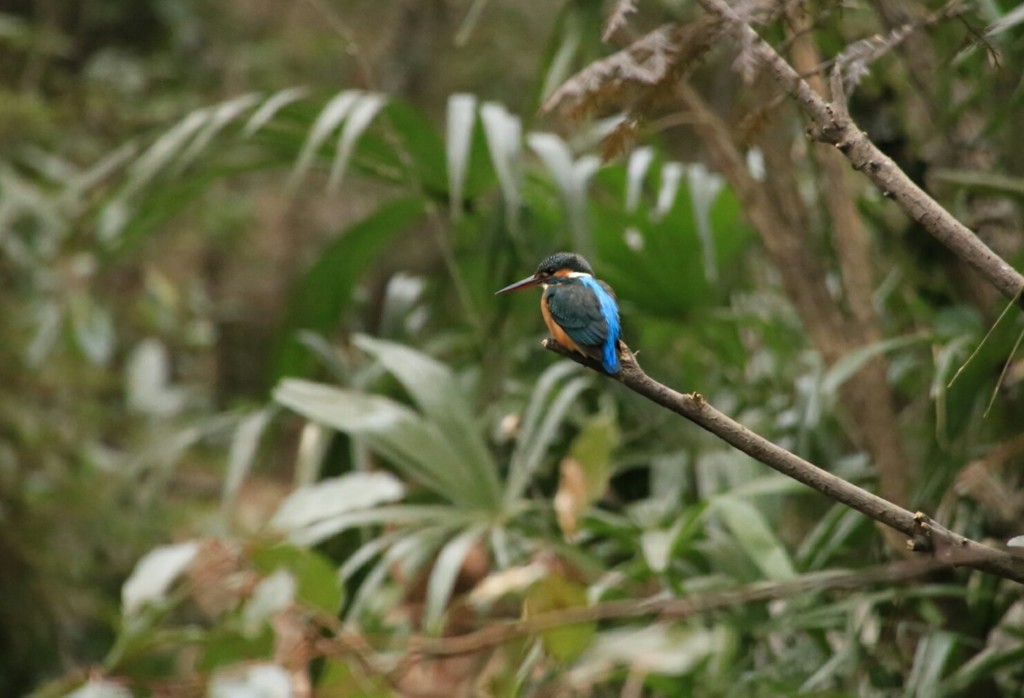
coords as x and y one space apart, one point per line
610 312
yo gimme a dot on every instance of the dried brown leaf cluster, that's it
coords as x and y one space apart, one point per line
640 75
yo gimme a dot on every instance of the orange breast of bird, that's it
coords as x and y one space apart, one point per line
557 332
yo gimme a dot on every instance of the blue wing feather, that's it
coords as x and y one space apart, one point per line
587 311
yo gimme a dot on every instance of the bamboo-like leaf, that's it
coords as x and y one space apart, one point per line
241 457
442 401
164 150
410 553
671 175
313 444
443 575
636 174
571 176
845 368
461 122
705 187
397 515
336 496
933 651
220 116
328 121
525 463
269 109
412 445
504 133
755 537
366 107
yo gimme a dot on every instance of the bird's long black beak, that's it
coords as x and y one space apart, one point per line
519 285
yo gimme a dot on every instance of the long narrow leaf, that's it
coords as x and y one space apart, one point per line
330 118
241 457
461 122
438 395
443 575
412 445
523 468
504 133
360 117
755 537
221 115
269 109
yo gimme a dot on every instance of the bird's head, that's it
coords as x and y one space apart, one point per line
558 268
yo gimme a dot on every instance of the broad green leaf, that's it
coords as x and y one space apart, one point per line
344 679
593 448
555 593
755 537
324 292
655 257
226 646
316 579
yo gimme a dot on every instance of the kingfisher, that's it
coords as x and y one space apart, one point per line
579 310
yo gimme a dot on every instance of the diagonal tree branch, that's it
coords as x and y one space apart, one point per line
831 123
925 535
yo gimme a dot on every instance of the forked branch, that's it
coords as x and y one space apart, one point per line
831 123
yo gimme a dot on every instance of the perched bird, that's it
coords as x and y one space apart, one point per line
579 310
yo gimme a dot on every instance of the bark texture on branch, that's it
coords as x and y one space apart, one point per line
831 123
924 535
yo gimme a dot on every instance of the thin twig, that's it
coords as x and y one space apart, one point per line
925 535
672 608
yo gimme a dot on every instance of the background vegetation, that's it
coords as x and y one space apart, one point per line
263 420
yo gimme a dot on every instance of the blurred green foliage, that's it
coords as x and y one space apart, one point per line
249 307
